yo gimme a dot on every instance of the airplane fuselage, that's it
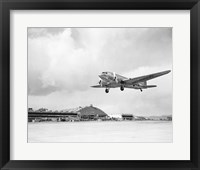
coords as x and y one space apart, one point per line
111 76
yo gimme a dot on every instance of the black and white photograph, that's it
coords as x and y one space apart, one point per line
100 85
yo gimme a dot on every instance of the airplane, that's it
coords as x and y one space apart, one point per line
112 80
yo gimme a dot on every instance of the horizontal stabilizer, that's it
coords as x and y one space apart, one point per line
148 86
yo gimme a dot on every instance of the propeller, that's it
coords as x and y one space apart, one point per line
115 77
100 82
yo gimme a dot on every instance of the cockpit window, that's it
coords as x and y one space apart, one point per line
104 72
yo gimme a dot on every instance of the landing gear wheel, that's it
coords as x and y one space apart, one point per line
141 90
107 90
122 88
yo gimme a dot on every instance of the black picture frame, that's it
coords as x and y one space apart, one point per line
7 5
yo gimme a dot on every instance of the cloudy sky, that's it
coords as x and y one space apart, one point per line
64 62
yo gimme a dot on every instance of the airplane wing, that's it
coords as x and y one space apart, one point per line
140 87
145 78
97 86
110 85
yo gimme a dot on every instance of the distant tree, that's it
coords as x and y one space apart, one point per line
30 109
42 110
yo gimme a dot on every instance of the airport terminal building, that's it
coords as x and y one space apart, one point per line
81 114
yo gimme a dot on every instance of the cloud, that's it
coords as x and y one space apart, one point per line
43 32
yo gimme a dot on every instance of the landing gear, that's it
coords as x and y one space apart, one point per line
141 90
107 90
122 88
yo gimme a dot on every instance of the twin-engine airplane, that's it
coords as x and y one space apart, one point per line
111 80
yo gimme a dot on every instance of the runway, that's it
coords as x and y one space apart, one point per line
104 131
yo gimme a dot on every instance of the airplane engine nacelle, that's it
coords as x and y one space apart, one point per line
144 83
102 83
